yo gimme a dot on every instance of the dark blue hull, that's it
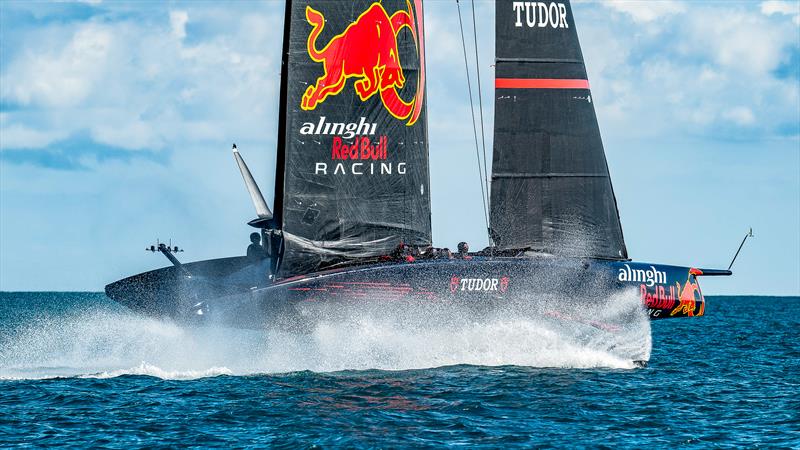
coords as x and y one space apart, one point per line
225 291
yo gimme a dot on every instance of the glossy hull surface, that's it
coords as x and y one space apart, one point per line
597 292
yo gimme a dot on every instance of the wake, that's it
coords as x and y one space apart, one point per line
106 344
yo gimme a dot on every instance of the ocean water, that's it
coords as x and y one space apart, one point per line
78 370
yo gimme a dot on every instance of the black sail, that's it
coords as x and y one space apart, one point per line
353 177
551 190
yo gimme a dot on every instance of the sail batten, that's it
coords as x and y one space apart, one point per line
551 190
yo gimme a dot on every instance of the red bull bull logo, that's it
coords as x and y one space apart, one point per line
689 297
367 50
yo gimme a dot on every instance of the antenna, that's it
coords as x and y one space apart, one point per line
749 234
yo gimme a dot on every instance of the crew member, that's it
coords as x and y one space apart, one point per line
255 252
463 251
403 252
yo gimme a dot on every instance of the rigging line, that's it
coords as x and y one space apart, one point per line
480 100
474 129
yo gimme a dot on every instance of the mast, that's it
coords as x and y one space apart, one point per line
280 158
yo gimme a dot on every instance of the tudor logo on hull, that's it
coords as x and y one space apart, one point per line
479 284
540 14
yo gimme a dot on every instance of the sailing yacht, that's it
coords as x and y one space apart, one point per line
351 221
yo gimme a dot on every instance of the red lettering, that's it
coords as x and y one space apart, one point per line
354 150
375 151
671 302
365 147
658 299
360 149
336 151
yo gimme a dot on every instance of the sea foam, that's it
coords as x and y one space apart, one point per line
104 343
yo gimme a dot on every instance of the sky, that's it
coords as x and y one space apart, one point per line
116 120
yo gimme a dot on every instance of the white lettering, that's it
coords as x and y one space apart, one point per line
350 130
530 14
362 123
639 274
542 11
307 128
320 124
518 8
480 284
540 14
346 130
337 128
361 168
649 277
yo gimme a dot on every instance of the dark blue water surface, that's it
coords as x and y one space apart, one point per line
76 370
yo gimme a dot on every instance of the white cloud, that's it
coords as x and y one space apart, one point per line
780 7
691 75
178 20
21 136
740 115
59 77
128 133
739 40
647 11
132 85
771 7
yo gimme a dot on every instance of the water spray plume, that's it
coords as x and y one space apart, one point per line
108 343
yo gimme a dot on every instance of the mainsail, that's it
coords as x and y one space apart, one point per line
353 179
551 190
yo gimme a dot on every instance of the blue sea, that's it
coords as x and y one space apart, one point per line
77 370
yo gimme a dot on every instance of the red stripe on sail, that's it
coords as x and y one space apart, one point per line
539 83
